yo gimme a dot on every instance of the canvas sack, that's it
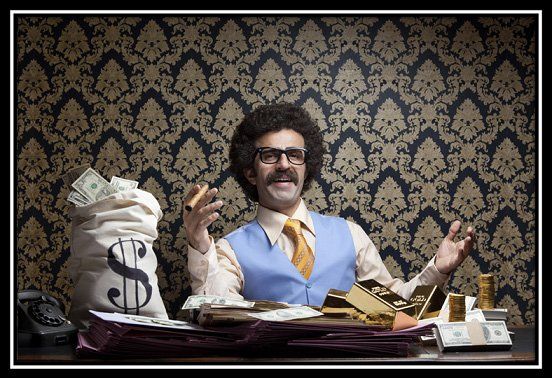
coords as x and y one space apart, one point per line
112 262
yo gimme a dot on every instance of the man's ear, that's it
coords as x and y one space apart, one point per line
250 175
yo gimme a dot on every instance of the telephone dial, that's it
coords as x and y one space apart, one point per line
41 321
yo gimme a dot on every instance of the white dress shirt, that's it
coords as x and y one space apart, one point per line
218 272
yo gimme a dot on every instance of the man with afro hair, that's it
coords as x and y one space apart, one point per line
288 253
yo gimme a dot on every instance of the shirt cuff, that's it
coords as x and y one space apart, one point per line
202 265
433 275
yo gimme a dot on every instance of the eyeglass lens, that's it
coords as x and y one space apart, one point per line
272 155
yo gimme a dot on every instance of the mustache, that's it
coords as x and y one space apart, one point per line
272 177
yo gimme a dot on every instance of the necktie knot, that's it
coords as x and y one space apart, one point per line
292 227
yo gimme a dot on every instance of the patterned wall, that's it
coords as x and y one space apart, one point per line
426 120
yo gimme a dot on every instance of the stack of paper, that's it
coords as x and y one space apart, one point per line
130 336
495 314
473 336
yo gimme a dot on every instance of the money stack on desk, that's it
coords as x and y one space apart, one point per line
223 326
460 326
367 321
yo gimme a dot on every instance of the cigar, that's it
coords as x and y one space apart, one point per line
193 201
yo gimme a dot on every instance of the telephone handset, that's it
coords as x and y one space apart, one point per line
41 321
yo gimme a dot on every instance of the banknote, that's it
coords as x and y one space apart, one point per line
93 186
195 301
121 184
470 315
77 198
301 312
475 314
456 334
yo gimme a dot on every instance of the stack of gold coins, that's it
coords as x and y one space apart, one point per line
486 291
457 308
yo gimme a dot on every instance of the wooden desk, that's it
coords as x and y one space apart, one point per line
522 352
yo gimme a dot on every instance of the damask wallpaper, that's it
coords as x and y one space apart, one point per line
426 120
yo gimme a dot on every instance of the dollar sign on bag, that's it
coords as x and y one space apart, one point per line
132 274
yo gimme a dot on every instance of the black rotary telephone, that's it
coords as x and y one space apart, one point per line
41 321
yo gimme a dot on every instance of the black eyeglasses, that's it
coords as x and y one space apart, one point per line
269 155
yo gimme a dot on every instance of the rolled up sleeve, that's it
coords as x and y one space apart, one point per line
216 272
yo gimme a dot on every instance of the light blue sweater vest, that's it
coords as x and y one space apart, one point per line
270 275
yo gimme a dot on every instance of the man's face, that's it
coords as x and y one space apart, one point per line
279 185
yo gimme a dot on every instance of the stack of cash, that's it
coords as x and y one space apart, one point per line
473 336
212 310
216 310
291 332
88 186
212 315
195 302
293 313
216 315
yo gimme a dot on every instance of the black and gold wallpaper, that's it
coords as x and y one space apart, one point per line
426 120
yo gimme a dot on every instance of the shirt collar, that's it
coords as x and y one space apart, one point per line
272 222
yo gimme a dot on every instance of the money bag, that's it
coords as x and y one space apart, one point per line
112 262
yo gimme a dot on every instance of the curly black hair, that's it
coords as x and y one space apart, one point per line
271 118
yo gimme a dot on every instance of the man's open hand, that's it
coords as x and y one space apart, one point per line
451 253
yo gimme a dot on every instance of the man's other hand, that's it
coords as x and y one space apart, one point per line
451 253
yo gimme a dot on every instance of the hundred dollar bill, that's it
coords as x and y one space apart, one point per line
77 198
93 186
195 301
121 184
470 315
456 336
475 314
301 312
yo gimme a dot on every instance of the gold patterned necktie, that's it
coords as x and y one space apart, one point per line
303 257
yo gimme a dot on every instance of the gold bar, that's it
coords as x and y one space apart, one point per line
429 315
372 297
427 298
336 298
335 305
